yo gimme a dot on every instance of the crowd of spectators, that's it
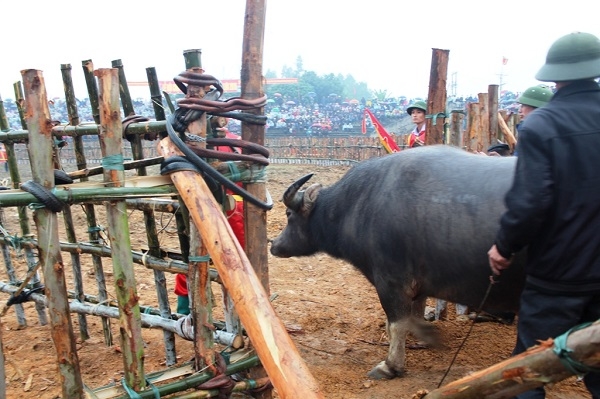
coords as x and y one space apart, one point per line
285 115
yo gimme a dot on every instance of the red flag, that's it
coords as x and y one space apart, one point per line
384 137
364 124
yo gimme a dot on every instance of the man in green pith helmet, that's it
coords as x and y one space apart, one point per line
553 206
533 98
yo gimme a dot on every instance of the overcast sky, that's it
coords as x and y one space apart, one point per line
385 43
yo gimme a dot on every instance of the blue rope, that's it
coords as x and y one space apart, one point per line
236 176
134 395
113 162
205 258
564 354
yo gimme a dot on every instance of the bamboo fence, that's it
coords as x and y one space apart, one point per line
115 174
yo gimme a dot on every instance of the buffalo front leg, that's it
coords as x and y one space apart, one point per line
398 310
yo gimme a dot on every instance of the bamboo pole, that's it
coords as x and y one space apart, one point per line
10 270
277 351
40 147
197 277
150 262
90 212
160 282
146 320
536 367
155 94
74 193
70 226
92 88
23 223
2 369
111 133
20 101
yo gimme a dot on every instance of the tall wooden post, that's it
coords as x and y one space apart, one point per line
483 132
493 113
436 98
40 149
111 144
251 88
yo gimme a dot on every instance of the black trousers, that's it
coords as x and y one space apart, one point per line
544 316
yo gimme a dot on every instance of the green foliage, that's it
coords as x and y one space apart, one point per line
312 87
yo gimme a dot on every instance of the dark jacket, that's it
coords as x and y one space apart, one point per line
553 206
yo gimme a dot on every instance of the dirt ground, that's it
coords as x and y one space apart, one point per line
330 310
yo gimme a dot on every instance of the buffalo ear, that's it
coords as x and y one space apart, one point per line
310 198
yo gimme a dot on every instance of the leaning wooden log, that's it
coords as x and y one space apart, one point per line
278 353
534 368
508 134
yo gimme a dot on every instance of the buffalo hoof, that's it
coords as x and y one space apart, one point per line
383 372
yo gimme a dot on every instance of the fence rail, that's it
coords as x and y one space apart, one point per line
325 151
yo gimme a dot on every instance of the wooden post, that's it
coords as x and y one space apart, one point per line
111 137
493 114
436 98
470 135
483 133
526 371
456 128
40 150
255 219
276 350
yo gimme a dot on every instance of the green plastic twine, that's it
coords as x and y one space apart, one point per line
113 162
564 353
193 259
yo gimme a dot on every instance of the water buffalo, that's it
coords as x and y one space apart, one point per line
417 224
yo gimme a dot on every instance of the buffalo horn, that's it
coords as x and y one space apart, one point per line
291 198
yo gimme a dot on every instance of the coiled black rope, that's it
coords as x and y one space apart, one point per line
209 171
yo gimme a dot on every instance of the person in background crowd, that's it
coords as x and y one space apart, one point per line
235 217
3 157
553 206
417 112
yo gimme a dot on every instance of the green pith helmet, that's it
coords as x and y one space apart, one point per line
536 96
418 105
572 57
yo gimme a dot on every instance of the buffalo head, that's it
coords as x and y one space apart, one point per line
295 239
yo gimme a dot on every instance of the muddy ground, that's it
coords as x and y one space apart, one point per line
330 310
